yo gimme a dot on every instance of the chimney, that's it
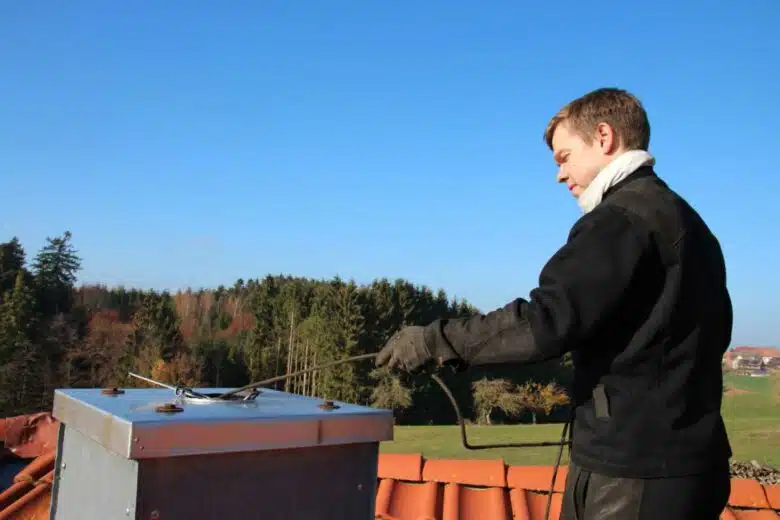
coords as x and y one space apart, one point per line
150 454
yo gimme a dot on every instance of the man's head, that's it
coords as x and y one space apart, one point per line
591 131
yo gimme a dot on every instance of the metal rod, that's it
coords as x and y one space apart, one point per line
152 381
270 380
462 424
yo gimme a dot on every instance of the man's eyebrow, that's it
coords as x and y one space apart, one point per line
557 155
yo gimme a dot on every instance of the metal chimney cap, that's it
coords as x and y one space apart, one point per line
146 423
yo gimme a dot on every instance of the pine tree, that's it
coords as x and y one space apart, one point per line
12 259
55 268
20 356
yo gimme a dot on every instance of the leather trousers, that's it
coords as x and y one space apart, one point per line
590 496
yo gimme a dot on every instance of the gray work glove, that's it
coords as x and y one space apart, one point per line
405 350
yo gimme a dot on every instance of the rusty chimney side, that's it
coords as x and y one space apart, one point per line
148 454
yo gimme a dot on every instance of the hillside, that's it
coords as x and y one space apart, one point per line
56 334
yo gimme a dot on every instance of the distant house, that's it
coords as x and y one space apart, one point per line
752 360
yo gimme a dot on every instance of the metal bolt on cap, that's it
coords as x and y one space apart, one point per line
168 408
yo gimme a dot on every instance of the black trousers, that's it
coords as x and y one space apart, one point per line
590 496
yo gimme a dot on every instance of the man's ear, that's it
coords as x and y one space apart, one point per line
606 138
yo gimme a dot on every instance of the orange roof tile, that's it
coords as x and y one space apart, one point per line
494 491
410 487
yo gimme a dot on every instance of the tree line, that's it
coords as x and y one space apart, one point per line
55 334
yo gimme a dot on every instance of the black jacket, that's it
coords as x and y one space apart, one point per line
638 295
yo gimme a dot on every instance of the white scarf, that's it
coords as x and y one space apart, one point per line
620 168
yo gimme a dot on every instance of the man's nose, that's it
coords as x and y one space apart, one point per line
561 176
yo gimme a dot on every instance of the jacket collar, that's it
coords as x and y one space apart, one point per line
641 172
619 169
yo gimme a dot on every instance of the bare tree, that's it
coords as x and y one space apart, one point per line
389 392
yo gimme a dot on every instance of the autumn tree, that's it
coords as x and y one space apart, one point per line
96 361
496 394
155 335
181 369
542 398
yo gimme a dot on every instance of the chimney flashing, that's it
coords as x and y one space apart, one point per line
129 424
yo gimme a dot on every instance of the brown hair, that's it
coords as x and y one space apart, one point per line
618 108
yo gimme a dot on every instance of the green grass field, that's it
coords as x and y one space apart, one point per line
751 415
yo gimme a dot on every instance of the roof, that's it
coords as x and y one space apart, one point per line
29 445
756 351
410 487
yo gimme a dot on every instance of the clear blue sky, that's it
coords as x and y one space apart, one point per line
196 142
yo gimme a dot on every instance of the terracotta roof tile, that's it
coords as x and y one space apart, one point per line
773 496
466 502
747 492
466 489
536 478
488 473
537 503
766 514
410 487
401 466
37 468
403 500
29 499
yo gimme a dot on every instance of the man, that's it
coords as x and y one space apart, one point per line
638 295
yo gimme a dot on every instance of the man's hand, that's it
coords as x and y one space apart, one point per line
405 350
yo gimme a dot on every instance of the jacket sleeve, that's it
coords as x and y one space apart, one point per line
580 289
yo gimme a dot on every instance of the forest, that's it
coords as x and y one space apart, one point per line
55 333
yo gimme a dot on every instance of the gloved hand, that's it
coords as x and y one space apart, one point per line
405 350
